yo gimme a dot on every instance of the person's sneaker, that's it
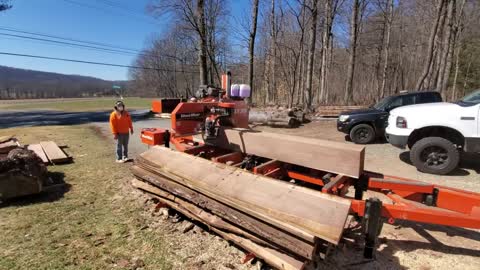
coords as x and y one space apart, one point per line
125 159
119 161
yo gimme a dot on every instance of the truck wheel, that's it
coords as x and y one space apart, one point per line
362 134
434 155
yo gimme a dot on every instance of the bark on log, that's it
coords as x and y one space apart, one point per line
22 173
255 226
273 257
303 212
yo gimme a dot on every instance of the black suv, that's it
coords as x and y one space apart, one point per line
365 125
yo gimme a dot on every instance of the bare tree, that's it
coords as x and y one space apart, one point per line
431 43
449 43
386 50
354 26
202 37
251 44
311 53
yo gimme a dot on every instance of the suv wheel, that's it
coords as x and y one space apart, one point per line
362 134
435 155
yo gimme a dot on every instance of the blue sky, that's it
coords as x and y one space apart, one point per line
64 18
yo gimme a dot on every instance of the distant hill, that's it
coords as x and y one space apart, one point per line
23 83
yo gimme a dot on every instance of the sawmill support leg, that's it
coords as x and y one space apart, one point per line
372 226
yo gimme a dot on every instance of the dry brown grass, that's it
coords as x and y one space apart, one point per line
90 226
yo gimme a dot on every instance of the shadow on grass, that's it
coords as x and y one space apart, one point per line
53 192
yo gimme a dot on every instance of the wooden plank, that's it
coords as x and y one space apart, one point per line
336 157
54 153
255 226
300 210
37 148
273 257
194 212
337 180
8 146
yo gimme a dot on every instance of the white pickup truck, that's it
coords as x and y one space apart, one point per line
437 133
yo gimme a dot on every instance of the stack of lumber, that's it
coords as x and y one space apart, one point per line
334 111
279 222
49 152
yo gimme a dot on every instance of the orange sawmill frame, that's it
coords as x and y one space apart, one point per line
409 199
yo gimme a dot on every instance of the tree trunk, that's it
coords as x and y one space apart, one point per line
459 30
274 54
311 54
202 52
348 97
251 44
448 43
431 44
326 50
387 47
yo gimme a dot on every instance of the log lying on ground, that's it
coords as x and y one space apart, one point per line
300 211
335 157
263 230
273 119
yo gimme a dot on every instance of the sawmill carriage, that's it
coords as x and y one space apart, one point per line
302 189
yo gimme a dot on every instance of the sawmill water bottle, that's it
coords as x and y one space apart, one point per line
244 90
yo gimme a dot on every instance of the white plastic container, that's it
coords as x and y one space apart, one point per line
244 90
235 90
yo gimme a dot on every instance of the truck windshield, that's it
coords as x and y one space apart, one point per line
472 99
383 103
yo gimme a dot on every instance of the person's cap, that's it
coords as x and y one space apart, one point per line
119 103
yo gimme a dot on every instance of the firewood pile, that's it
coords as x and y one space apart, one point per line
279 117
22 172
285 225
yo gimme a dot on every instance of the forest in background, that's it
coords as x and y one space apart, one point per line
308 53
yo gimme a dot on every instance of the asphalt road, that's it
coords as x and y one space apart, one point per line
135 144
10 119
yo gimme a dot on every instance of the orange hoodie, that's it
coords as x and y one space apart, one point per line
120 124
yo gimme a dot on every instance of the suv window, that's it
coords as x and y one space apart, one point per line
428 98
408 100
400 101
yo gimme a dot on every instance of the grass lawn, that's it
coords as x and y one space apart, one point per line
91 226
74 104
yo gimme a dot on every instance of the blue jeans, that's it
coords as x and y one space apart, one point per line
122 146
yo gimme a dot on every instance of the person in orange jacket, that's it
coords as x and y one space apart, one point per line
121 126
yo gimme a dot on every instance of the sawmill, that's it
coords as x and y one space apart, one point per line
283 198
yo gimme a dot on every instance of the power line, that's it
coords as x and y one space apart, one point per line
16 30
68 43
105 10
127 9
92 63
108 47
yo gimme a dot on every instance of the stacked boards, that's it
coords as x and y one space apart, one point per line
50 152
281 223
